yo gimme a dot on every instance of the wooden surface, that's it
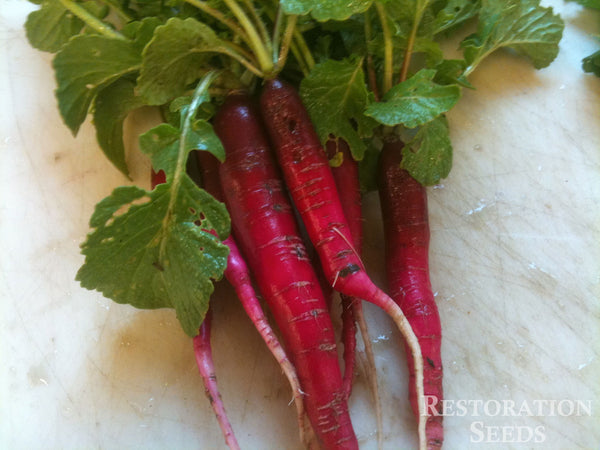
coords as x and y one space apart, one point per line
515 265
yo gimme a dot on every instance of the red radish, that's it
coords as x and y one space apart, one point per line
206 366
406 224
204 359
308 176
238 275
265 228
346 179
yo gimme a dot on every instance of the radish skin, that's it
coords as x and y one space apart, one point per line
406 226
308 176
264 226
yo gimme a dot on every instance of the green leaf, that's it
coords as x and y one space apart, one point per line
428 155
452 71
162 143
325 10
335 95
521 25
111 107
142 31
84 66
591 64
415 101
156 249
177 55
159 252
455 13
51 26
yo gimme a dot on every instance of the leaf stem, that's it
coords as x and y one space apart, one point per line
298 55
218 15
91 21
388 48
232 50
255 43
276 31
408 53
411 39
304 49
287 39
182 154
371 74
261 25
298 45
118 10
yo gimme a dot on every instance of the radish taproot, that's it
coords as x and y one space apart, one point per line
238 275
346 177
206 366
264 226
204 358
309 179
406 227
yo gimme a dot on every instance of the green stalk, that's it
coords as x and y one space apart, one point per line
303 48
408 54
298 45
261 25
232 51
118 10
182 154
218 15
420 10
287 39
91 21
276 31
371 74
255 43
303 67
388 49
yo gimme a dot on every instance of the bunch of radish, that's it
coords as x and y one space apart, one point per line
290 110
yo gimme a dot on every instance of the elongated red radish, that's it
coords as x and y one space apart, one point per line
310 181
238 275
406 225
206 366
204 360
346 177
264 226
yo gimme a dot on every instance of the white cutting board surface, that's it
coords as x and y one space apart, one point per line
515 262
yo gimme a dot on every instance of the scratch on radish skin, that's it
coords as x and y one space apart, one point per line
309 315
337 275
348 242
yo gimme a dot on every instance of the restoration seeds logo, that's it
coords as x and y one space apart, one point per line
484 412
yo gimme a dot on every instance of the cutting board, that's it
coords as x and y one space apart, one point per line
515 265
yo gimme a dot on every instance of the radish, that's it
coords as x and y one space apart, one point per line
264 226
308 176
346 179
206 366
238 275
204 359
406 225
